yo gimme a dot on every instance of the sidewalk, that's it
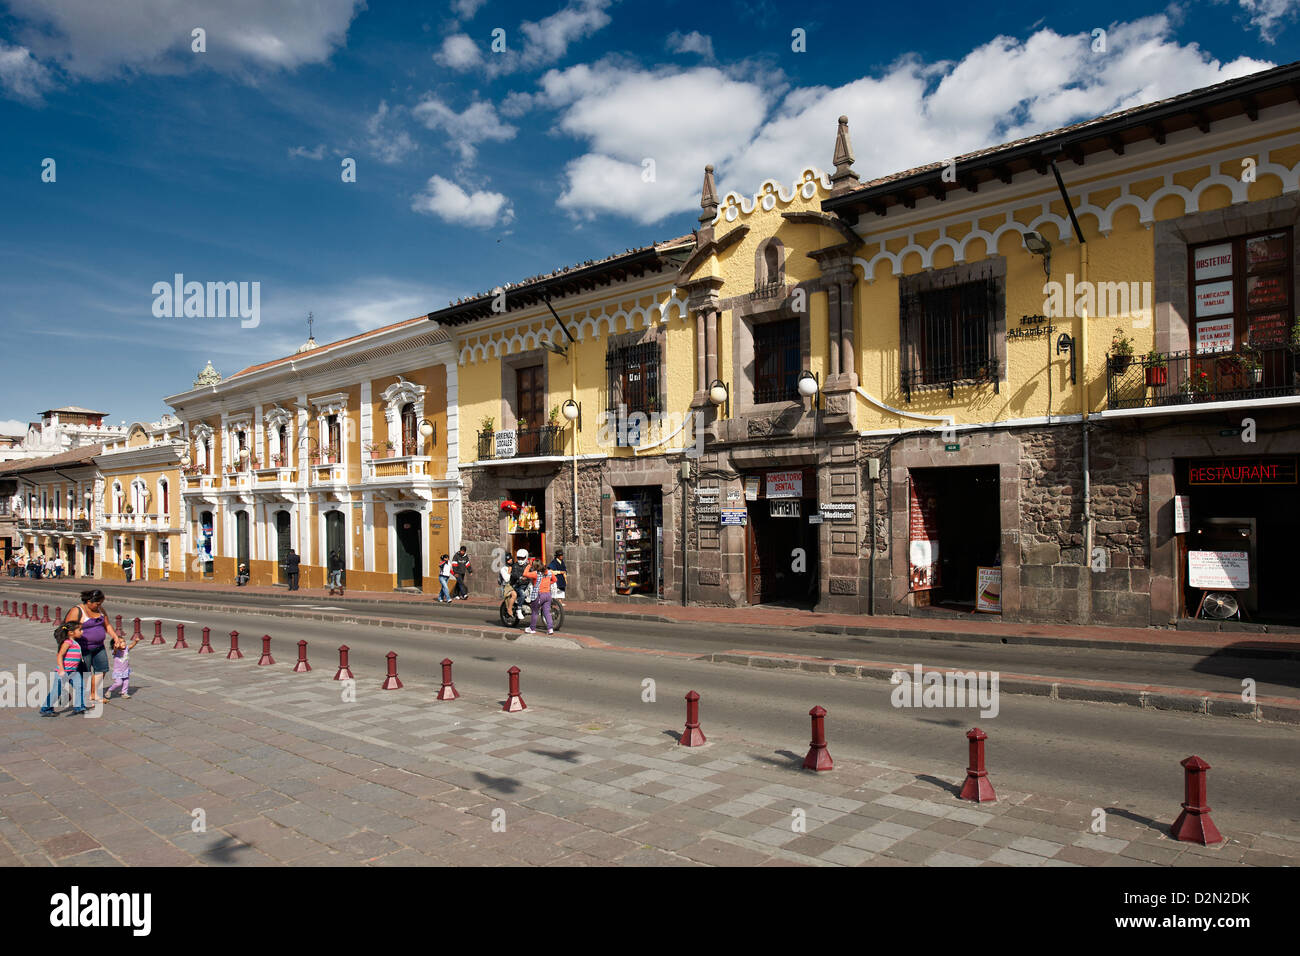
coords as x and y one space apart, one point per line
1198 637
280 770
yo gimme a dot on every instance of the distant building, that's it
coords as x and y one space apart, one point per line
60 430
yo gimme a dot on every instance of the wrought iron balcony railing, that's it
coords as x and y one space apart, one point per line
529 443
1179 378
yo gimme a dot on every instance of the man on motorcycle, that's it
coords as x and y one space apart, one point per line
518 585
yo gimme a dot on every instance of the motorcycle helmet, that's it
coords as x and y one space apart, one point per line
521 554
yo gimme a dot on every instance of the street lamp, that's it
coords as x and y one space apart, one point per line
720 395
809 386
429 430
1038 245
572 412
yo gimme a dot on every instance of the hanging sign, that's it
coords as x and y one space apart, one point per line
734 516
923 533
785 508
751 489
785 484
988 590
505 444
1219 570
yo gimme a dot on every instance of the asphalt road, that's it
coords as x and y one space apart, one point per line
1214 672
1115 757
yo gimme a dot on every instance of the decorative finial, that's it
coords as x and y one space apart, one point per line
708 198
844 178
207 376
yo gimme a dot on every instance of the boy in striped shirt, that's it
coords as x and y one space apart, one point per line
69 663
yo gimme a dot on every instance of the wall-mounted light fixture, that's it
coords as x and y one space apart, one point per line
720 395
572 412
429 430
1065 344
809 385
1038 245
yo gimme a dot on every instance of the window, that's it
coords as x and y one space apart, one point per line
530 397
410 430
334 453
163 496
776 361
1241 292
633 374
948 335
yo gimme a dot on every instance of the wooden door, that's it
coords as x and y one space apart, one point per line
530 397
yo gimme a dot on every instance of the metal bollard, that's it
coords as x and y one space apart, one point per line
692 736
392 681
6 611
180 637
24 614
514 702
344 672
977 786
58 614
206 646
46 618
136 633
266 657
235 653
118 624
819 757
1194 824
302 666
448 690
157 634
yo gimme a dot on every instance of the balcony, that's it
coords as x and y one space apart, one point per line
529 443
81 524
1182 378
407 466
277 474
60 524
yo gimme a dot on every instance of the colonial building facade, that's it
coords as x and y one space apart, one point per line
54 508
348 447
138 508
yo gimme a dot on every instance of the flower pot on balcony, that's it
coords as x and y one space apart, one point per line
1157 375
1119 364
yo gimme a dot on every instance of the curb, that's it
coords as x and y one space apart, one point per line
1143 696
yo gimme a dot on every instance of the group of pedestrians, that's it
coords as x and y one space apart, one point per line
38 566
535 583
89 644
454 572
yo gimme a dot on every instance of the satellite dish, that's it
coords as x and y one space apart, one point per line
1220 605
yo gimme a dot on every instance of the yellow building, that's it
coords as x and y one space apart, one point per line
138 509
346 447
54 508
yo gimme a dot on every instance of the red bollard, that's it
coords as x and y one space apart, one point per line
266 657
58 614
302 666
118 626
514 702
391 682
24 614
819 757
137 633
180 637
692 736
6 612
157 634
344 672
46 618
235 653
448 690
977 786
1194 824
206 646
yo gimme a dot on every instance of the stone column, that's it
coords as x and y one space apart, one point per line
848 364
833 333
711 339
701 352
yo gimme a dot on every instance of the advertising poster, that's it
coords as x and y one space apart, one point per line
1214 262
751 489
988 590
923 528
785 484
735 516
1215 336
505 444
1182 514
1219 570
1214 298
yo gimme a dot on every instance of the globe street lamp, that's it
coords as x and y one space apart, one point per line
429 430
809 386
572 411
720 395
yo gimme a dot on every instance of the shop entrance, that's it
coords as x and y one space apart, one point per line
282 543
141 569
409 562
955 520
1243 505
781 547
90 560
335 540
638 526
526 528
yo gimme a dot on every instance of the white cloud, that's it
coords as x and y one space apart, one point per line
909 114
1265 15
304 153
12 426
90 38
478 123
21 74
389 144
466 8
516 104
459 52
449 202
693 42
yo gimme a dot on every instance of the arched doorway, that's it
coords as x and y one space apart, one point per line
282 544
335 540
409 559
241 539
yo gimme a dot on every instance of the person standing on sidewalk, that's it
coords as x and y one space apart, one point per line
291 564
561 573
542 578
462 567
96 632
128 566
336 572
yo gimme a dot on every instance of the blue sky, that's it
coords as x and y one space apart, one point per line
476 167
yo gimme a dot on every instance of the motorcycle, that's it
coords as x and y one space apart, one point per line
524 612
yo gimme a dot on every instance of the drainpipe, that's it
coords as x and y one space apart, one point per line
1083 397
871 564
573 390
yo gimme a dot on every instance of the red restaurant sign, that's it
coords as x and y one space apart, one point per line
1243 471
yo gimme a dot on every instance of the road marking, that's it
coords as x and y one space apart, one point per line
315 607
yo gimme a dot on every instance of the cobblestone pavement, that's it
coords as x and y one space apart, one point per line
282 770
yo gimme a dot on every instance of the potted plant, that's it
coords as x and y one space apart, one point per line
1251 365
1121 352
1157 370
1196 383
280 460
554 418
488 426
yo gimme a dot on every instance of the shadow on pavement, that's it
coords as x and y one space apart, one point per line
1241 661
497 784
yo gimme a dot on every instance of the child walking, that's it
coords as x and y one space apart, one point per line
444 575
69 664
121 668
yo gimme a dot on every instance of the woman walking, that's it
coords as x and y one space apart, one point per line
95 633
542 578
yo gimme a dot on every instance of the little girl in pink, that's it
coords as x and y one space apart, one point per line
121 668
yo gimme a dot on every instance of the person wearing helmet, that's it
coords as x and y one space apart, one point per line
517 583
